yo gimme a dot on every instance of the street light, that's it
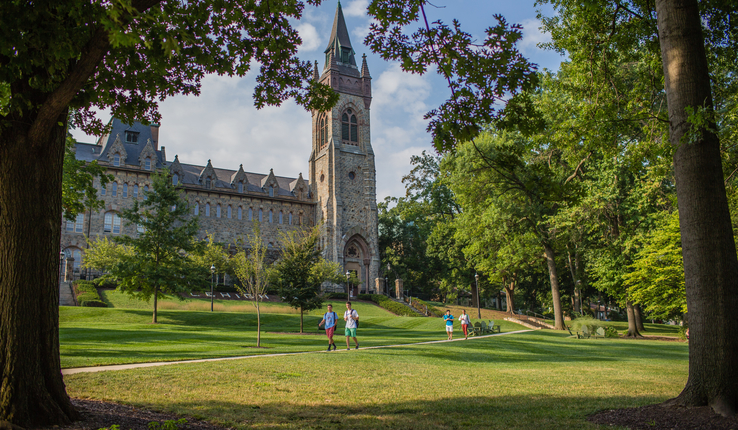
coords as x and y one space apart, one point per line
212 281
62 257
479 311
348 287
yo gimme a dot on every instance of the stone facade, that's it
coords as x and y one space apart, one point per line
340 193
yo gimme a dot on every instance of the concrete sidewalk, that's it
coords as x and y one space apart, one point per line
73 370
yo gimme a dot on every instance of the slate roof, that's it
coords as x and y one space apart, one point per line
340 36
133 150
192 177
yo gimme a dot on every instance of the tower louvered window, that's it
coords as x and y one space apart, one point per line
349 127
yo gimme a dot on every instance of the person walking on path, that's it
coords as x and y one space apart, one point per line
464 320
449 324
330 319
352 322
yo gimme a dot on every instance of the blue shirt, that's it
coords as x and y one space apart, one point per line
449 319
330 319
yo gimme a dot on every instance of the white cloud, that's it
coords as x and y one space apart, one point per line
309 35
532 36
356 8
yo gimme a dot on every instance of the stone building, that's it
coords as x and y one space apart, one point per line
340 192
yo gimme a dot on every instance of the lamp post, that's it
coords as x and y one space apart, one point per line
348 287
62 257
212 281
479 310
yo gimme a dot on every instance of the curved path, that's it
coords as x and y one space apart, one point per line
73 370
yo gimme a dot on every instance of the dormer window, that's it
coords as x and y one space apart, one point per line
271 191
175 179
147 164
132 137
207 183
240 187
116 160
346 55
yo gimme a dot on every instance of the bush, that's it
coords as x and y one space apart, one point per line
591 323
390 305
432 309
337 296
86 294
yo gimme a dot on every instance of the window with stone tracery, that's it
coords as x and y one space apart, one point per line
349 127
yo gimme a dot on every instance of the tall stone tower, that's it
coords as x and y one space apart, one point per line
342 172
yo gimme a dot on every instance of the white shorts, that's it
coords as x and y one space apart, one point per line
450 328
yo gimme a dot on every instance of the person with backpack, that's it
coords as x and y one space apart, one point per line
330 319
352 323
449 324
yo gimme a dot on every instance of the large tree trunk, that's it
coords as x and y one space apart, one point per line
632 327
554 278
32 391
708 249
510 295
638 318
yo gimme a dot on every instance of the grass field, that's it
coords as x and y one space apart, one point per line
100 336
534 380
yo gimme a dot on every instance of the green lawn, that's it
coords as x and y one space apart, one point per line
98 336
535 380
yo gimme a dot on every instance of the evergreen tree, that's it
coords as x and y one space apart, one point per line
160 263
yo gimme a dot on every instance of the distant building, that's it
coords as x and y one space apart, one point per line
340 192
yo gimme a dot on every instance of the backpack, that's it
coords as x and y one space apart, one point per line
357 314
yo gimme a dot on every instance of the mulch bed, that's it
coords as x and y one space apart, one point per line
660 417
97 415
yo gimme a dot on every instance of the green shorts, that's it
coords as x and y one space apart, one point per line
350 332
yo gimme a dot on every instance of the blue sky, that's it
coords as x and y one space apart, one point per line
223 126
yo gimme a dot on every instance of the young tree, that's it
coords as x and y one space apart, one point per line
254 273
104 254
301 271
160 263
124 55
213 254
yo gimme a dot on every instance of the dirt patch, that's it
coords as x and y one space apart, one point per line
661 417
97 415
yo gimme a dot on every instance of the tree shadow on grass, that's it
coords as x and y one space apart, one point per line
467 412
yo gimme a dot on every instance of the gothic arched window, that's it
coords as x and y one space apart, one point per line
217 210
271 216
135 191
115 189
240 212
207 209
321 131
112 223
197 208
125 190
349 126
228 212
280 217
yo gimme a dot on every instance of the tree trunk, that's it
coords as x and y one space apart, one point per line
708 249
156 297
632 326
300 319
32 391
638 318
554 278
258 326
509 295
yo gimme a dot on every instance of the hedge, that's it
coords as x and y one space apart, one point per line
87 295
390 305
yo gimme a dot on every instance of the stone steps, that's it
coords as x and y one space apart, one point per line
66 295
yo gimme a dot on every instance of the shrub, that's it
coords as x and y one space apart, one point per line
337 296
591 323
86 294
432 309
390 305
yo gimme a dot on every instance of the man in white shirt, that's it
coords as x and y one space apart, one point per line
352 318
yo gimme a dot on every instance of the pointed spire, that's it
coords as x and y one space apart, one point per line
316 76
364 67
339 43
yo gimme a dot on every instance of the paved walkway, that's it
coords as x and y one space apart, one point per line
73 370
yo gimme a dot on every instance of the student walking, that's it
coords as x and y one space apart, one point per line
449 324
352 322
464 320
330 319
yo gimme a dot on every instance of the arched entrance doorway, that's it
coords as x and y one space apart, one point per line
356 259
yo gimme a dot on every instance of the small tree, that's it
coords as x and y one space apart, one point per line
254 273
104 254
160 263
301 271
214 254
